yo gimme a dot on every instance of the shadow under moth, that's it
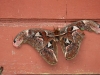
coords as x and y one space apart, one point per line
44 41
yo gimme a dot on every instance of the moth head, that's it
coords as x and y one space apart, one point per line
20 38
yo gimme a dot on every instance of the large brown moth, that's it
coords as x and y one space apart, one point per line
44 41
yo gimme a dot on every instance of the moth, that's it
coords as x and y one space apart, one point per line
44 41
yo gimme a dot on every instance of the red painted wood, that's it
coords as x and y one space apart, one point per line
26 60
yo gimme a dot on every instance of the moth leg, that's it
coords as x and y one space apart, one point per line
71 44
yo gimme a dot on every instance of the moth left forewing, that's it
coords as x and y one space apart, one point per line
41 40
71 41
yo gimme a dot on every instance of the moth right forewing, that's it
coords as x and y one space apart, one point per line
91 26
